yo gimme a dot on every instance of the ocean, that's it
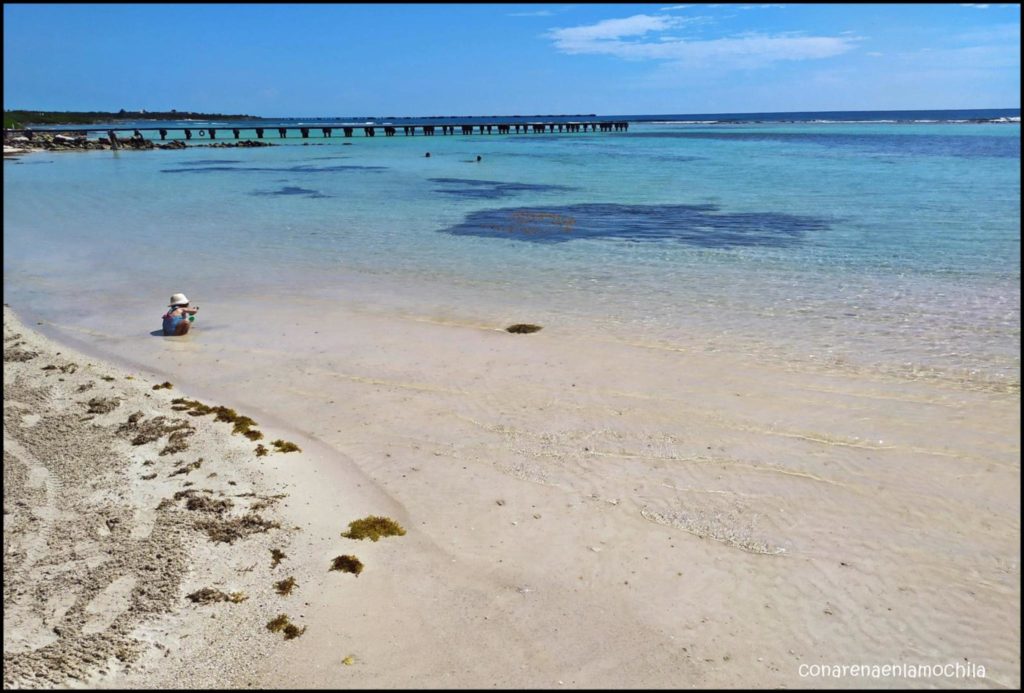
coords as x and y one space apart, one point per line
883 243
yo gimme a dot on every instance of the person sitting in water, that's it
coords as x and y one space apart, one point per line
177 320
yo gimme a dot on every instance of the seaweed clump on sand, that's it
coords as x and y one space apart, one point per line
285 587
373 527
276 556
240 423
19 355
163 386
192 406
208 595
143 432
285 446
347 564
282 623
227 531
204 503
261 450
186 468
176 441
523 328
103 405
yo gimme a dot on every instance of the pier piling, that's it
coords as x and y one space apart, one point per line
370 130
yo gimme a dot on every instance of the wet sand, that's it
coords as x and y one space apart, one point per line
580 512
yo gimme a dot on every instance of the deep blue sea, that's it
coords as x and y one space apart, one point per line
881 242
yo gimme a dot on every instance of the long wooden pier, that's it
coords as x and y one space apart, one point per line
343 130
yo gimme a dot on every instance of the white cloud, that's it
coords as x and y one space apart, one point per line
585 37
608 37
996 33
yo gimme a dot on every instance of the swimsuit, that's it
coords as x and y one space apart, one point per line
171 323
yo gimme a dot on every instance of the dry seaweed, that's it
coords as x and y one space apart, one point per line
149 431
253 435
227 531
103 405
208 595
261 451
523 328
285 446
187 468
285 587
373 527
347 564
207 504
176 442
18 354
163 386
276 556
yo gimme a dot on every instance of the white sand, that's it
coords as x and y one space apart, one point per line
581 513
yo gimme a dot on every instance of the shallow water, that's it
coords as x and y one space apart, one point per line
888 248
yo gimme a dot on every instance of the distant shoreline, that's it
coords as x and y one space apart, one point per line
23 118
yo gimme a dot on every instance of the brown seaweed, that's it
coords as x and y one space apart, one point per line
523 328
285 587
373 527
285 446
347 564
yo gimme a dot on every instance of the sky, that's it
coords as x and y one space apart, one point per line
313 60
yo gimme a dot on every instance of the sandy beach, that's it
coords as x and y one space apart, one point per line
579 512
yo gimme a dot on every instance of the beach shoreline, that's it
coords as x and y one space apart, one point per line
682 522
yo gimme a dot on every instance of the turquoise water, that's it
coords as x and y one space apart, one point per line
873 246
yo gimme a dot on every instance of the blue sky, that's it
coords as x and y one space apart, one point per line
351 60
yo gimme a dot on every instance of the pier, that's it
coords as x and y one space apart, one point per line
386 129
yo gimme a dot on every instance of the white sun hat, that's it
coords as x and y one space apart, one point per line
179 299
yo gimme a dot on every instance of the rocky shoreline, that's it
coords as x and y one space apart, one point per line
79 141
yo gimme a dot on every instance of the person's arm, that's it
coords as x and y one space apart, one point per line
191 311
